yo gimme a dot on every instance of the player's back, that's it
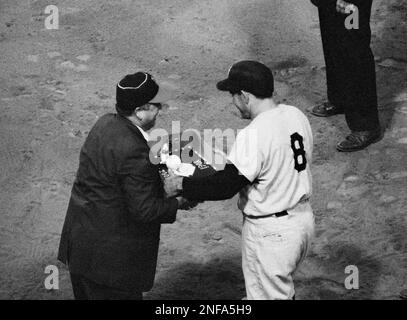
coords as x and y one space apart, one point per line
284 148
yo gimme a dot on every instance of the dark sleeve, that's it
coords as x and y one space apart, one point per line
320 3
143 191
220 186
359 3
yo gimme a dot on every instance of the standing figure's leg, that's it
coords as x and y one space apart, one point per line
330 41
360 93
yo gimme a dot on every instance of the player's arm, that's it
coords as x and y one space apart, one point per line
241 170
222 185
357 2
324 2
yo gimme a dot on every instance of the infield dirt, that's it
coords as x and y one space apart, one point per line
54 84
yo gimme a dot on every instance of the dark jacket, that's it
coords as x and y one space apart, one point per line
112 227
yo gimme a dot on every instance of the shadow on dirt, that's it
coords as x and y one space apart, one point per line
332 285
277 42
220 278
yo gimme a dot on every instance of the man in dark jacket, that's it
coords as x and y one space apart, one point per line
111 233
350 71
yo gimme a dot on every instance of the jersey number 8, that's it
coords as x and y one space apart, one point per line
297 144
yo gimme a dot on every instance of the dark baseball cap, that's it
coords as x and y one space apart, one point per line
140 88
250 76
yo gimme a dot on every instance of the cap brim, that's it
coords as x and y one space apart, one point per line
227 85
166 91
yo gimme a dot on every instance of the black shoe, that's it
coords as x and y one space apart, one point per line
359 140
326 109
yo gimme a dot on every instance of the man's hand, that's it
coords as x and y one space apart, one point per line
344 7
173 186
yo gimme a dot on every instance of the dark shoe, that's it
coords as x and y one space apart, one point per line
326 109
359 140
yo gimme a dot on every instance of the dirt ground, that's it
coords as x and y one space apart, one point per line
54 84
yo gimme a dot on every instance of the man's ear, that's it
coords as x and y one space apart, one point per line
246 96
138 109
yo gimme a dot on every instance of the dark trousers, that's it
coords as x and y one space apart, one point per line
350 66
85 289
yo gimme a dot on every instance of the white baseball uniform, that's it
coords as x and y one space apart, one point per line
274 153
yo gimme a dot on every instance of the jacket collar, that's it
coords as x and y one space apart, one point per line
144 133
132 127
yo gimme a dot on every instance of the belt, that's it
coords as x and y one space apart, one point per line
277 215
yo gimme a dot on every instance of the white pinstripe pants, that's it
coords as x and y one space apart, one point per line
272 250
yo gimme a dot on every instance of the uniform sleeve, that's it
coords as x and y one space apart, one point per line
143 191
246 155
220 186
309 142
319 3
358 2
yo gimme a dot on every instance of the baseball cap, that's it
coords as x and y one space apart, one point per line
250 76
140 88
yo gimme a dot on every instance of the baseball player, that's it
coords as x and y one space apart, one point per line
269 164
